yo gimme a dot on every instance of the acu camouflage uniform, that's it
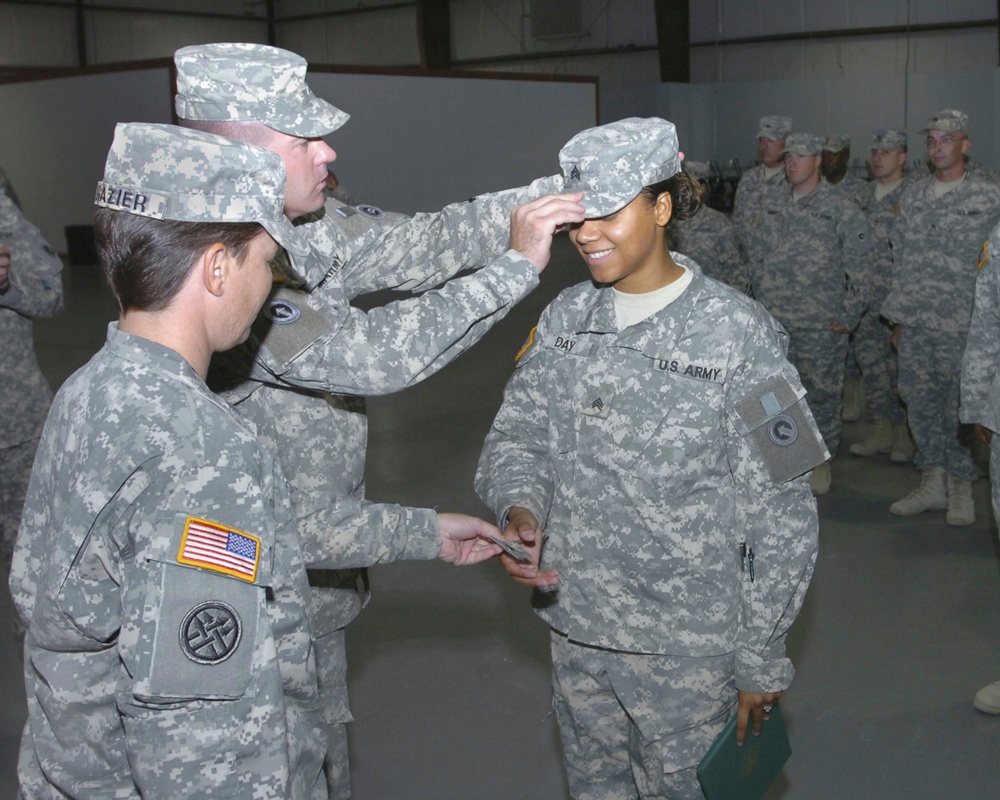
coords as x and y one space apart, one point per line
980 388
936 242
710 239
874 352
646 456
34 290
814 270
754 193
854 187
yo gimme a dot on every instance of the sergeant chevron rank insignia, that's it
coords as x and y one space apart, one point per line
599 406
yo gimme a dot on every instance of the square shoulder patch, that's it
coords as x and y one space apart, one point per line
217 548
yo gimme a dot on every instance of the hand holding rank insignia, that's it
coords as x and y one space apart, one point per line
513 549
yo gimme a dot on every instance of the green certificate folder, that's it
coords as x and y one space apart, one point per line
728 772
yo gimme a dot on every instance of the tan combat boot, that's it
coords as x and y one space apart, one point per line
878 441
820 480
930 495
988 699
902 445
961 510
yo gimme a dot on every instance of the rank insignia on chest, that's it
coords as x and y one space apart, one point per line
217 548
598 406
984 255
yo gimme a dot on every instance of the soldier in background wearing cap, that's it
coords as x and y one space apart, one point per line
942 222
980 395
709 237
761 185
259 94
874 352
159 570
835 166
813 276
656 432
30 287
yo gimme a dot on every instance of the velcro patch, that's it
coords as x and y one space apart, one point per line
217 548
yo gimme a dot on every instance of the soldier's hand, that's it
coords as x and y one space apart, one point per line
533 225
523 528
4 268
465 539
837 327
983 434
754 708
897 332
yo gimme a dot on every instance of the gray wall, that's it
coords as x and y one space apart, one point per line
414 143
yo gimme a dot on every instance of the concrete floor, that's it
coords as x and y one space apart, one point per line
449 667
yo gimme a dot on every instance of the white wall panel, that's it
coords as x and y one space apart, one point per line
31 36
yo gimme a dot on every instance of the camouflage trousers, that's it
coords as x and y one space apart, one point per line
331 675
820 357
995 478
636 725
877 360
15 470
930 369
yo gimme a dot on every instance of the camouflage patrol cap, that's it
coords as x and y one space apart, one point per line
774 127
167 172
888 139
235 82
948 120
612 163
803 144
835 142
699 170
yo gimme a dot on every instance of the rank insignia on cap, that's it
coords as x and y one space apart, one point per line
527 345
984 255
210 632
281 311
219 549
371 211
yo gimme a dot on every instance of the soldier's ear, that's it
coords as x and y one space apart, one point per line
663 209
215 265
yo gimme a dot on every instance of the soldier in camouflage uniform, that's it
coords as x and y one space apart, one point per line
980 394
30 287
835 166
759 184
169 649
875 355
709 237
318 343
813 277
943 221
655 431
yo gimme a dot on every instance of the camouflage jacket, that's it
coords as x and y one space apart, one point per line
35 290
980 393
936 245
650 456
754 192
320 438
159 573
710 239
815 265
880 215
853 186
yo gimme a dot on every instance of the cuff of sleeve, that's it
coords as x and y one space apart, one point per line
423 541
511 276
754 673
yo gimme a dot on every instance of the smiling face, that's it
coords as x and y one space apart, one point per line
305 168
627 249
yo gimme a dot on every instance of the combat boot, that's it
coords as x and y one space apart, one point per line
854 399
902 445
930 495
879 440
820 480
961 510
988 699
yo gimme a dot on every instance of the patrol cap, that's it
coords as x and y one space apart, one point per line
165 172
699 170
835 142
803 144
612 163
888 139
236 82
948 120
774 127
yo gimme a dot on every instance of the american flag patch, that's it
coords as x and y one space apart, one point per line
214 547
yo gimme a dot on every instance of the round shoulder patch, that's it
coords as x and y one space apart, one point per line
371 211
783 430
281 311
210 632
